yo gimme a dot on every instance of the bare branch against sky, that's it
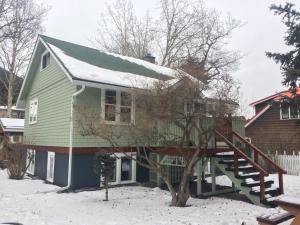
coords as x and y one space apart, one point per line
263 31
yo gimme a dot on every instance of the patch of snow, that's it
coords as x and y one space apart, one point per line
86 71
12 123
32 202
157 68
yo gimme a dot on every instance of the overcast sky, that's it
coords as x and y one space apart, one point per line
76 21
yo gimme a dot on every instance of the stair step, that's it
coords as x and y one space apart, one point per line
255 183
271 191
231 161
248 175
225 154
242 168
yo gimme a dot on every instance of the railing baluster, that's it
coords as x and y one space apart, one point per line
280 179
262 187
235 163
255 156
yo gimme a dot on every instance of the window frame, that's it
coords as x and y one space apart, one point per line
42 56
49 155
289 113
118 106
29 114
31 168
118 169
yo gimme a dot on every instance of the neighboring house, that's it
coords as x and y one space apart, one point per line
276 124
63 77
16 113
12 129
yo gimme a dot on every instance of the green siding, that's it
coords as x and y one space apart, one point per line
53 90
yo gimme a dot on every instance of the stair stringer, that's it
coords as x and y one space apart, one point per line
237 182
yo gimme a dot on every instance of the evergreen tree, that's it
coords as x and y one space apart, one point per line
104 165
289 61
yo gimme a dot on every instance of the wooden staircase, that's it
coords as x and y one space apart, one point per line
247 174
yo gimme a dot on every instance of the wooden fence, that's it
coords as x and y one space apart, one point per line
291 163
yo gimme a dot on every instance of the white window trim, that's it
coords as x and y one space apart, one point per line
44 53
119 157
118 106
37 106
289 114
50 154
30 169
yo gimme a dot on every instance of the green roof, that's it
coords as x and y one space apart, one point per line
107 61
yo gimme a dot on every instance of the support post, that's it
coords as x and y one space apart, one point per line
213 175
199 176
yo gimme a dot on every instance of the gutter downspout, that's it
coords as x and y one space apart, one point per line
71 137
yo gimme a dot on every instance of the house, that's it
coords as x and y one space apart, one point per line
276 124
12 129
63 76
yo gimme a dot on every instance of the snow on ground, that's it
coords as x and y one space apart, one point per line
32 202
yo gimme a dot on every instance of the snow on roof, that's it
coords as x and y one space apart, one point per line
12 124
85 71
149 65
277 96
13 108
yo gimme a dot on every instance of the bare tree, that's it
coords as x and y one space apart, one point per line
120 31
16 49
169 119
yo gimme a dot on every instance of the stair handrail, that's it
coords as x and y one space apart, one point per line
263 173
255 149
240 152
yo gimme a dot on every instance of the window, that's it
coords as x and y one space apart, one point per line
125 110
50 166
126 169
16 139
33 108
110 105
289 111
45 60
117 106
30 161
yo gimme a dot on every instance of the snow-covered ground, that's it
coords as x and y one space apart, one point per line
32 202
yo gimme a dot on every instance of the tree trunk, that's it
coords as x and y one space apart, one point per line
183 192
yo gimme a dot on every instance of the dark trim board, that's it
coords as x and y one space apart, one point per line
92 150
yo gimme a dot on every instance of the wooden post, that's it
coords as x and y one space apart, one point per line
262 187
213 175
280 180
235 163
255 156
199 176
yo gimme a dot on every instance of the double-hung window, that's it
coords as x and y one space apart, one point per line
33 110
45 61
117 106
289 111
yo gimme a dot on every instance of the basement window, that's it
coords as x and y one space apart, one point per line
45 60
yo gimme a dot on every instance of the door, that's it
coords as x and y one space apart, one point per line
50 166
126 169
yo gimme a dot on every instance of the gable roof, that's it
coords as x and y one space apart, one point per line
92 65
257 115
12 124
277 96
89 66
